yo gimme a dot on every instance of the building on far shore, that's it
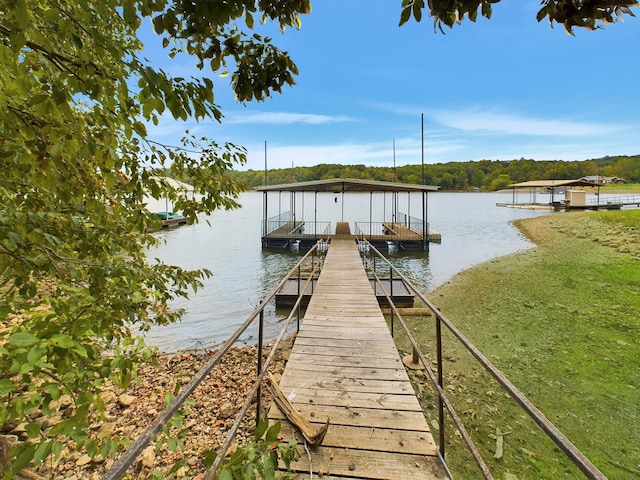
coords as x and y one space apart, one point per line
603 180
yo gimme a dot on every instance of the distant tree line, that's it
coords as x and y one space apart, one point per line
485 175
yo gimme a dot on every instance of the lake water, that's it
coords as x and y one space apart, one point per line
473 230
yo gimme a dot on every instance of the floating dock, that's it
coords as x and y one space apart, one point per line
344 366
400 293
391 228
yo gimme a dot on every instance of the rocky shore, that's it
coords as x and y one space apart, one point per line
211 412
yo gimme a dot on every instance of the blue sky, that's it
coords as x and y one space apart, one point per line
498 89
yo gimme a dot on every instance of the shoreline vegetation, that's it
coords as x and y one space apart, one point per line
461 176
208 414
562 321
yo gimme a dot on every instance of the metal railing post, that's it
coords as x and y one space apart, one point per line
391 296
260 345
441 424
298 311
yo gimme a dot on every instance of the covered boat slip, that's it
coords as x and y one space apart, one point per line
568 197
344 367
384 225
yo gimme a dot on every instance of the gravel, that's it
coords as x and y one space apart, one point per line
211 412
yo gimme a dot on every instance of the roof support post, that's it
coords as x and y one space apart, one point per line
425 223
370 213
264 217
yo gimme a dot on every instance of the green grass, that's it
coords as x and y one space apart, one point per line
562 321
627 187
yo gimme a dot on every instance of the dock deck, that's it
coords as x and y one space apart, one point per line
344 365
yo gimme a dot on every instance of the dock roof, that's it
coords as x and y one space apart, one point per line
337 185
581 182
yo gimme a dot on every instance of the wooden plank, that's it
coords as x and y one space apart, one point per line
363 417
352 384
324 374
373 465
385 401
348 361
312 319
370 438
347 372
333 332
336 325
335 342
343 351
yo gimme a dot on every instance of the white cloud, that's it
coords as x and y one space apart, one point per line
490 119
283 118
477 119
407 151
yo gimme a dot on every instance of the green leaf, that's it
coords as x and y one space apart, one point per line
6 386
272 433
23 458
158 26
35 354
77 40
417 11
32 429
250 471
225 475
208 457
140 129
178 465
44 448
22 339
38 99
269 468
405 16
261 428
62 340
53 390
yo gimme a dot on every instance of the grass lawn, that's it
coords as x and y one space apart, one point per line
622 187
562 321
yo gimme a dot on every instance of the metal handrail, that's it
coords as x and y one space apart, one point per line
122 464
570 450
604 200
255 391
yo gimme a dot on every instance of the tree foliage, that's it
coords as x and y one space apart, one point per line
589 14
77 162
459 176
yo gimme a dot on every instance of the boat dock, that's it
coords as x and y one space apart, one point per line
399 218
344 367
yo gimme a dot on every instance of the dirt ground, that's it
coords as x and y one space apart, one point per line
212 410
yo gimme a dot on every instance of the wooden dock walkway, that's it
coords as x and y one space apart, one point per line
344 365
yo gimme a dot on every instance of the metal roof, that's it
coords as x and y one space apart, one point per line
555 183
338 185
177 184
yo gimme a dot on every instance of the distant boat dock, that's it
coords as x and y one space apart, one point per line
400 230
572 196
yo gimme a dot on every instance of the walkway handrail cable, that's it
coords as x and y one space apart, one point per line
121 465
570 450
437 385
